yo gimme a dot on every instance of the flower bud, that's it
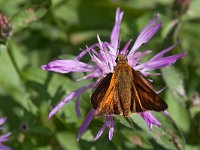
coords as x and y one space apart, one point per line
5 27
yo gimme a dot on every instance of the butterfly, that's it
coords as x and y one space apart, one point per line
125 91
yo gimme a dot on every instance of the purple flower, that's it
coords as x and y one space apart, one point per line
4 137
103 62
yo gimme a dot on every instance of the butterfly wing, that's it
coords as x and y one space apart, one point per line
145 97
105 99
100 91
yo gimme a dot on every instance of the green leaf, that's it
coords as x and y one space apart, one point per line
178 111
67 140
52 88
194 9
168 135
135 138
46 147
174 80
26 16
10 81
125 121
41 130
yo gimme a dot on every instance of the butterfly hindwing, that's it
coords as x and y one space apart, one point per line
145 95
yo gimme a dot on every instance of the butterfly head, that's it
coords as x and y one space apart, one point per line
121 58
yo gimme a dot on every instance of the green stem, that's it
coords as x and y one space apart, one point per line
12 58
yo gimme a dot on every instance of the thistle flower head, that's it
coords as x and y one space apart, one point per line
103 55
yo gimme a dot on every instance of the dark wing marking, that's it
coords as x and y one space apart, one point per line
145 95
136 105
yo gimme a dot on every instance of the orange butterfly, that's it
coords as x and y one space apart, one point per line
124 91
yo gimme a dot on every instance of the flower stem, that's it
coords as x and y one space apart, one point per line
12 58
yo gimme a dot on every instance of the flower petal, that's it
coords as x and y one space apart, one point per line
85 123
95 74
163 52
108 122
66 66
114 38
106 56
100 131
157 64
4 137
150 119
166 113
104 61
125 49
87 50
134 59
159 91
77 109
147 33
3 147
2 120
69 97
111 130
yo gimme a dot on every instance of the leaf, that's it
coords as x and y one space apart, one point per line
52 88
125 121
137 138
168 135
87 135
45 147
194 130
10 81
194 9
40 130
177 110
53 80
174 80
66 11
67 140
83 36
26 16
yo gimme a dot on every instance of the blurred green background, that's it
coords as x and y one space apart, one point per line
46 30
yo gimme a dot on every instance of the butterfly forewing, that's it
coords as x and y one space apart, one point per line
105 98
100 91
145 94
